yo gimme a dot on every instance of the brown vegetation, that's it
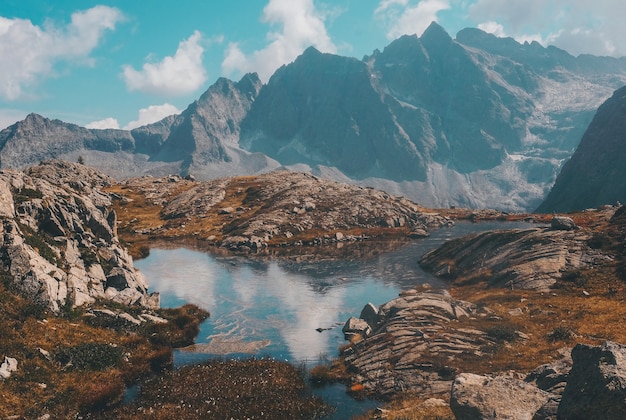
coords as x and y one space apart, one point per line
67 365
224 389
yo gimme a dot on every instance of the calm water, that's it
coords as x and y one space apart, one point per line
274 306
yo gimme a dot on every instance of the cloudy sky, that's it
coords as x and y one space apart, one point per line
116 63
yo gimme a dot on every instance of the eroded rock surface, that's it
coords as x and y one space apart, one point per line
498 397
518 258
596 385
59 240
278 208
413 340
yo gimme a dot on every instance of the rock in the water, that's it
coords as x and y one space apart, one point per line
370 314
596 386
8 367
562 223
501 397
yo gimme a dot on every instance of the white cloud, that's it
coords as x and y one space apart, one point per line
300 26
568 24
105 123
403 18
28 52
180 74
152 114
493 28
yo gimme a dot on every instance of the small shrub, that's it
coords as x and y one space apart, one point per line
38 243
561 334
89 257
502 333
99 393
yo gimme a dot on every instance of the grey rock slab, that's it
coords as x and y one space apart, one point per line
501 397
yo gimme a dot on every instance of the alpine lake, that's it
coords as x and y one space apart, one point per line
292 308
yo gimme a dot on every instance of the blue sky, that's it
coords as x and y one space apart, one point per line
129 62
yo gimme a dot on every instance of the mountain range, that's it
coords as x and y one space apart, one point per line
476 121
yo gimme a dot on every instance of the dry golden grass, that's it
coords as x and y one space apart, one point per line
409 407
103 359
137 215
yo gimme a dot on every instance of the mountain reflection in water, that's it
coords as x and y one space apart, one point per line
275 306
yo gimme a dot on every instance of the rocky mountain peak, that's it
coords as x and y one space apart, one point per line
435 35
250 84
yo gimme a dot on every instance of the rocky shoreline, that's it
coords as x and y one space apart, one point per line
466 355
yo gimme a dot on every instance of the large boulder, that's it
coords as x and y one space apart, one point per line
563 223
501 397
415 336
596 386
356 328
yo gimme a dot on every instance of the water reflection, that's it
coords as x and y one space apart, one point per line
283 301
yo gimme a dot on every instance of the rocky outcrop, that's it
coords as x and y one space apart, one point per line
519 258
596 385
589 384
413 343
59 243
499 397
276 209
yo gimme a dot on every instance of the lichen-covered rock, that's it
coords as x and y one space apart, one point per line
518 258
60 243
411 343
596 385
500 397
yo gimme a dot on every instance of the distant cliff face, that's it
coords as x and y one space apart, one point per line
596 173
476 121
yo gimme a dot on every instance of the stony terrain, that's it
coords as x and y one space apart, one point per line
59 239
518 259
408 343
275 210
519 298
